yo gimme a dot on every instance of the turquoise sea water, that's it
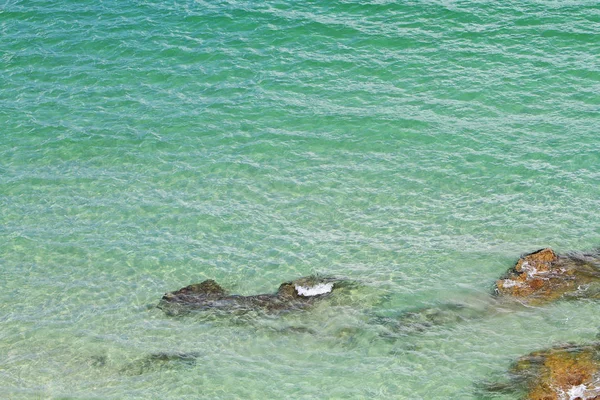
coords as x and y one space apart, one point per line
415 148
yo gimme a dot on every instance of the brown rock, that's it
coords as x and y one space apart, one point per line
543 276
566 372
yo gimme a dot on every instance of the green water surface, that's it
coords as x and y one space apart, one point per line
416 148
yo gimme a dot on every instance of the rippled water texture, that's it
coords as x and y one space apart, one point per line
415 149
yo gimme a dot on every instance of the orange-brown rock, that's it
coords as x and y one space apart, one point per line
565 372
543 276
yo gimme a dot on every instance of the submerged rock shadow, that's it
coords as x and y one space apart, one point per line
160 362
150 363
419 320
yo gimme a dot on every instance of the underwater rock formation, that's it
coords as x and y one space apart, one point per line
209 295
569 372
423 319
544 276
161 362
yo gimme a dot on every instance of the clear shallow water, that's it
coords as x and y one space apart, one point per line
415 148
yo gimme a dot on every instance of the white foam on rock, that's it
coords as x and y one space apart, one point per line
510 283
581 392
316 290
532 271
529 269
577 392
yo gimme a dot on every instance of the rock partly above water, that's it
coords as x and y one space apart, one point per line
538 277
210 295
544 276
567 372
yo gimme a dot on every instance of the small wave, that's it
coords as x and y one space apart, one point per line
316 290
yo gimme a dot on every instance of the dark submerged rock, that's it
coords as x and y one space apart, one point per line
98 361
563 372
543 276
161 362
209 295
425 318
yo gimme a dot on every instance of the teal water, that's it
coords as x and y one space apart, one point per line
415 148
